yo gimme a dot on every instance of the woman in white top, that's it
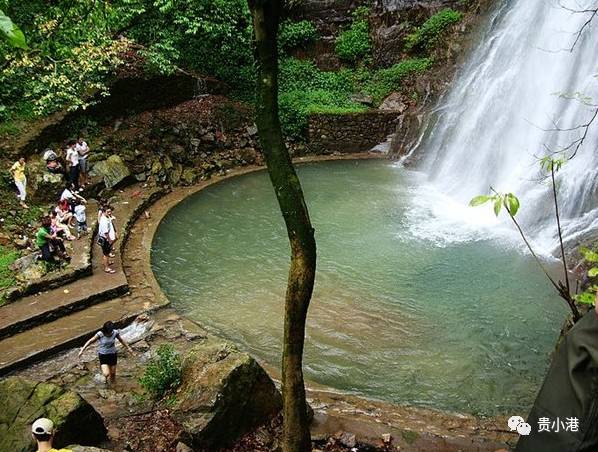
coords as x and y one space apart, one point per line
72 158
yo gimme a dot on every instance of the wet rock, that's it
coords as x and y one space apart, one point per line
23 401
27 268
46 186
113 170
393 102
224 394
347 440
78 448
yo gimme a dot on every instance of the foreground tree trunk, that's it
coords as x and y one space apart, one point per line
266 14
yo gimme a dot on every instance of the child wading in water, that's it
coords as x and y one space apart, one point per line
107 337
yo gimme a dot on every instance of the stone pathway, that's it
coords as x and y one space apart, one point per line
42 324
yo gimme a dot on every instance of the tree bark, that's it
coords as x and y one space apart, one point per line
266 16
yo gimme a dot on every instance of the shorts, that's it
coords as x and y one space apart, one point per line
105 245
83 164
109 359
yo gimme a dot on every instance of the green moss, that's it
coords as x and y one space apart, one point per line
428 35
409 436
385 81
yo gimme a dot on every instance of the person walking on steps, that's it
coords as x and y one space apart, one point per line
105 237
18 175
107 355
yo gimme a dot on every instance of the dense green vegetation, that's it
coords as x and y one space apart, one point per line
7 278
354 43
74 48
296 34
163 373
427 36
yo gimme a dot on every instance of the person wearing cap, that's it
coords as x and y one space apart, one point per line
43 433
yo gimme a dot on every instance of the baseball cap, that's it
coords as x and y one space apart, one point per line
43 426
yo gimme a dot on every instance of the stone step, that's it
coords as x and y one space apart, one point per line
44 307
80 265
47 339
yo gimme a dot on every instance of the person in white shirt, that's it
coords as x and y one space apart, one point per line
70 195
81 217
104 232
83 150
72 159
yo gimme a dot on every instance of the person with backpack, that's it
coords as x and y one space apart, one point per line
107 354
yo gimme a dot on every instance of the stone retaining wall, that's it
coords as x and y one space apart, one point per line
349 133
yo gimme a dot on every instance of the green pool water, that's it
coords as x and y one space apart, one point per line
414 303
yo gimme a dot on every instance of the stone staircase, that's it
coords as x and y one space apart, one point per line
72 309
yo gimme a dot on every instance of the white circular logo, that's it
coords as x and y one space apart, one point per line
514 421
524 429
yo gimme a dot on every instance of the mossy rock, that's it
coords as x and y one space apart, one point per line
23 401
224 394
113 170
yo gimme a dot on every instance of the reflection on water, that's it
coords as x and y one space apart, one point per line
464 326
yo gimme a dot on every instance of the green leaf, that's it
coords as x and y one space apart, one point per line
479 200
588 254
585 298
497 206
593 272
512 203
11 32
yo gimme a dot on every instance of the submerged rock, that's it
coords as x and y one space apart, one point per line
224 394
113 170
23 401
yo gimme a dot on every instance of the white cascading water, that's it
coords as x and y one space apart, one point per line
491 127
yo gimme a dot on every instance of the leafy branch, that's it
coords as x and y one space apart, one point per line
511 204
11 32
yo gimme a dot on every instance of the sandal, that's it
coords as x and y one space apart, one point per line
109 270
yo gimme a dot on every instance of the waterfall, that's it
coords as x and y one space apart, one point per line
489 129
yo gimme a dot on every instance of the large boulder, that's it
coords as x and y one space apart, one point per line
23 401
113 170
42 185
224 394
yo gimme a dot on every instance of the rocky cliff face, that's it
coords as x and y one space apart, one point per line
389 19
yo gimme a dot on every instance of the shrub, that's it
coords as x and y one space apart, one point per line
163 373
7 257
354 43
296 106
296 34
384 81
305 89
428 35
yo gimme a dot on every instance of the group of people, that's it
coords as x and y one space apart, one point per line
76 153
69 212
